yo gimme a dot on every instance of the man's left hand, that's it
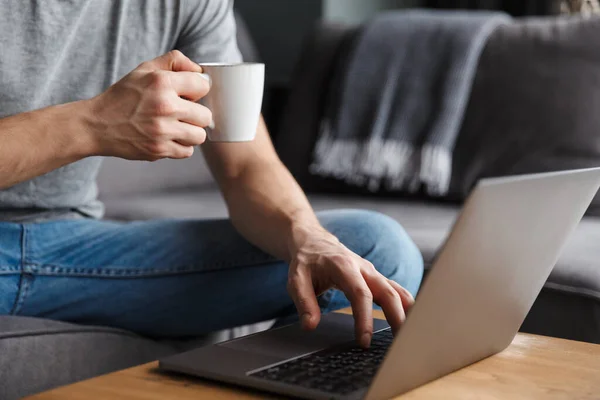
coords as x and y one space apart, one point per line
320 262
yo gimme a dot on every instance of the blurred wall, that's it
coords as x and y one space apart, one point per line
278 28
355 11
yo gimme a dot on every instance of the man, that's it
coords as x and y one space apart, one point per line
59 260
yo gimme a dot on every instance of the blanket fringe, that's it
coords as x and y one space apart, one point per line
376 162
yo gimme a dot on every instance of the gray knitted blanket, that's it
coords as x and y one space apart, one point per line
396 106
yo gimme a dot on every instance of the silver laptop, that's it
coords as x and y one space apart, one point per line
500 252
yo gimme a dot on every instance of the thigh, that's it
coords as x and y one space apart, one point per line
159 278
184 278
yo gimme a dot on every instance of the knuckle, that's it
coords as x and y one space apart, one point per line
144 65
341 261
157 149
303 303
197 136
361 292
292 282
175 54
303 257
159 80
187 152
389 292
368 268
163 106
156 128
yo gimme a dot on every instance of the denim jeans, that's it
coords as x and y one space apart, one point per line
174 278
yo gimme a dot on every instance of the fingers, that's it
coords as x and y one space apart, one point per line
178 151
192 113
190 85
300 288
175 61
351 282
407 299
191 135
172 135
387 297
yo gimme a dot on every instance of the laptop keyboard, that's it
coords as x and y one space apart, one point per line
338 370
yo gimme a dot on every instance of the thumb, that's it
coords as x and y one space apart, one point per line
176 61
301 290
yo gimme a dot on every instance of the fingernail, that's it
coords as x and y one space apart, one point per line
207 77
365 340
305 319
212 124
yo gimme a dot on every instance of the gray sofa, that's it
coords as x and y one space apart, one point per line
516 122
533 108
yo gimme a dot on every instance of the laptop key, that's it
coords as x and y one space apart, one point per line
341 370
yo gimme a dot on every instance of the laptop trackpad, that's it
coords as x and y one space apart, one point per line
292 341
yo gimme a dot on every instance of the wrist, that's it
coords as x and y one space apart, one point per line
72 125
303 228
67 125
88 135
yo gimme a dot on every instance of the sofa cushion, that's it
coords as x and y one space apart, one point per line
53 353
118 177
189 203
534 104
76 352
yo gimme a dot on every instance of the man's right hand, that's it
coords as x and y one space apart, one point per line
152 113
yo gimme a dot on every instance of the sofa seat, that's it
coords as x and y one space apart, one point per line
74 352
78 352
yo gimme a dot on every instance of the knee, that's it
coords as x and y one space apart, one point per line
380 240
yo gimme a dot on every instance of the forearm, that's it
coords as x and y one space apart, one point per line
267 206
36 142
269 209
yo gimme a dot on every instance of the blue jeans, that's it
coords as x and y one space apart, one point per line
174 278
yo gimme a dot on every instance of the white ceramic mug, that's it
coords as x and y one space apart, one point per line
235 99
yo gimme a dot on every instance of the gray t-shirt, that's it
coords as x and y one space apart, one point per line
58 51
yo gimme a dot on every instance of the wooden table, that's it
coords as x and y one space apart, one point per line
533 367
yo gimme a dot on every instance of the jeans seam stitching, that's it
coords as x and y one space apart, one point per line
23 284
115 272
